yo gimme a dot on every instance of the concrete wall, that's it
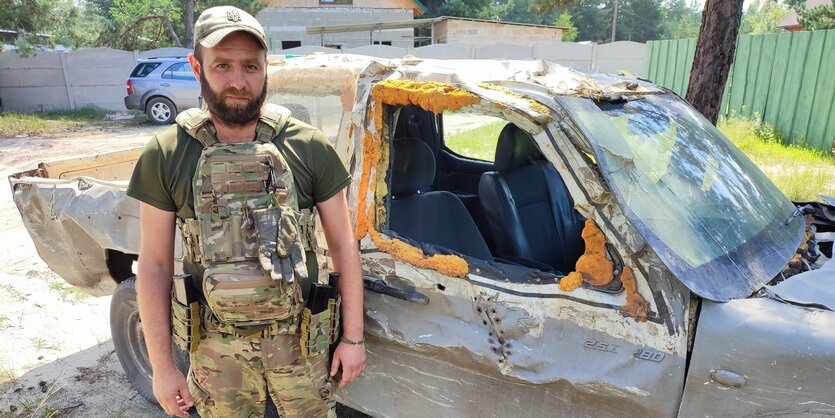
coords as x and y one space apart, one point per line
97 76
69 80
470 33
289 24
608 58
617 56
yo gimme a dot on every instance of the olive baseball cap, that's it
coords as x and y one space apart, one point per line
216 23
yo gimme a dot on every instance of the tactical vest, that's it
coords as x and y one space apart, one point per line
246 232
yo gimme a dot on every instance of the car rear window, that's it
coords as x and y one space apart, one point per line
179 71
143 69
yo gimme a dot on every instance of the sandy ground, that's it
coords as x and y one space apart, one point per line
56 353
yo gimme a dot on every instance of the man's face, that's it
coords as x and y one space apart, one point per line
233 78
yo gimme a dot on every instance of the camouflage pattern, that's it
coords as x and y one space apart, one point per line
316 332
228 374
185 325
246 232
334 305
244 294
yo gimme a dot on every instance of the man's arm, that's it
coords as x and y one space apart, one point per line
343 249
153 294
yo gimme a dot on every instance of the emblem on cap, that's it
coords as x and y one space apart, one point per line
233 16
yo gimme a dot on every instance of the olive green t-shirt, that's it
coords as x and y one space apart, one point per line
163 174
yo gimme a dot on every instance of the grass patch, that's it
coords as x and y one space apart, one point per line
800 173
68 293
14 124
478 143
8 371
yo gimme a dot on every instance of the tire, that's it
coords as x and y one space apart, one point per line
126 329
161 111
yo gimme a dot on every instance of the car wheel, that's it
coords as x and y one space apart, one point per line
126 329
161 111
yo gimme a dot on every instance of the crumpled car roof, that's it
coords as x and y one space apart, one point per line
557 79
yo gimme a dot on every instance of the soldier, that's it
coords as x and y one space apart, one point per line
249 346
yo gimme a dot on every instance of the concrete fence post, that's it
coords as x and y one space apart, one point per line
65 72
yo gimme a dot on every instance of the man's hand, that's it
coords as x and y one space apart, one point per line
352 359
171 391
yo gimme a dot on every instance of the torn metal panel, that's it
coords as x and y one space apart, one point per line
442 357
784 355
73 222
810 288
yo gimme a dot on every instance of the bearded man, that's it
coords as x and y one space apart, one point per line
239 363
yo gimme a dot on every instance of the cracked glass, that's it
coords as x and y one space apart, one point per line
712 216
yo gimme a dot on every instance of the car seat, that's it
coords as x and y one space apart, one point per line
530 212
433 217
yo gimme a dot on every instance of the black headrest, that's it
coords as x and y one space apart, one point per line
412 166
516 148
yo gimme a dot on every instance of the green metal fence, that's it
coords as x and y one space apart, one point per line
786 79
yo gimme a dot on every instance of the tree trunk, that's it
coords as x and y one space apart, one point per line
171 31
714 56
188 22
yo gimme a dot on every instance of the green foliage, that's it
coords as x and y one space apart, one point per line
462 8
32 19
82 24
120 24
818 18
762 17
478 143
250 6
526 11
639 20
564 21
681 19
141 23
593 20
800 173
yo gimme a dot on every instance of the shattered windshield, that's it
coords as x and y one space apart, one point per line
714 219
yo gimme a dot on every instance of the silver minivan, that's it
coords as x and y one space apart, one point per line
162 87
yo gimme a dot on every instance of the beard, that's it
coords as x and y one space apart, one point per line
236 114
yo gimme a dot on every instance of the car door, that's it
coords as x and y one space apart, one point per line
179 84
451 334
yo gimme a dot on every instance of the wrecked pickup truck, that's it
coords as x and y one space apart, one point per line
535 241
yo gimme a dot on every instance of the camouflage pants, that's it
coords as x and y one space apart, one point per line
231 376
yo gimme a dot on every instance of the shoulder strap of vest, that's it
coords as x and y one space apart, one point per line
273 120
195 122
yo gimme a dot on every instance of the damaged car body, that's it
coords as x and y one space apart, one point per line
569 275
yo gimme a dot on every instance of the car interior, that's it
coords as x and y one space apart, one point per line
514 210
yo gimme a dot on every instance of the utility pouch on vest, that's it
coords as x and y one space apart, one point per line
185 314
246 294
319 328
